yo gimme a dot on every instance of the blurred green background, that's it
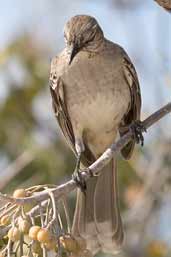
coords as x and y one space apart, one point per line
32 150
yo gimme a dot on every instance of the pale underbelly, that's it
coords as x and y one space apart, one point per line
97 119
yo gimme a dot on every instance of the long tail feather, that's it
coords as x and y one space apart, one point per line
97 216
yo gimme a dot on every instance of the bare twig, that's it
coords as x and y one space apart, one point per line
16 166
66 210
96 167
164 3
54 217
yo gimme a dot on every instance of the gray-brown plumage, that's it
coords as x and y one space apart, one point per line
95 94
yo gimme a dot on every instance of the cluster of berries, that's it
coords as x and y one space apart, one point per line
36 238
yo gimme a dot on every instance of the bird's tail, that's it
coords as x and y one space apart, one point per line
97 216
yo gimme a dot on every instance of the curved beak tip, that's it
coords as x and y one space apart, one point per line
73 52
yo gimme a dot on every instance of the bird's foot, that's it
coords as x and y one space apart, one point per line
138 128
92 174
79 179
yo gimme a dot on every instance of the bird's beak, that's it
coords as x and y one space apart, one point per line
73 51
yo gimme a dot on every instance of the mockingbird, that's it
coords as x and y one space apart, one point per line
96 96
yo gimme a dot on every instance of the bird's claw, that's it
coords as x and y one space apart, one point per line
138 128
79 179
92 174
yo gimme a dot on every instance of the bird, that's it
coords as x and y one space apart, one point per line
96 97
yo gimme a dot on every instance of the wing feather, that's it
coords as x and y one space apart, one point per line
133 114
57 90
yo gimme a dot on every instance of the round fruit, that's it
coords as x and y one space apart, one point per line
5 220
69 243
24 225
33 232
43 235
36 248
19 193
14 234
51 245
157 249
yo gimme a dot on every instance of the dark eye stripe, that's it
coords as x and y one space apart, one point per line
90 39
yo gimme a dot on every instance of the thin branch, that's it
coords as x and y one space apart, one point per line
165 4
16 167
96 167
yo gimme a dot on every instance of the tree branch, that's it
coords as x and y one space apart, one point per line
165 4
94 168
16 166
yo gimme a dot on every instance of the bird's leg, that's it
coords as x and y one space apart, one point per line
138 128
78 161
77 176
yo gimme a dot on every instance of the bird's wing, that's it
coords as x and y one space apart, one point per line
133 114
57 89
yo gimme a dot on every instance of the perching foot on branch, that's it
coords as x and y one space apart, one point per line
80 181
138 128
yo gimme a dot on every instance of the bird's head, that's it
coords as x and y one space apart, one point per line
81 31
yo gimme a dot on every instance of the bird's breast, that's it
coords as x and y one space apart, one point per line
97 97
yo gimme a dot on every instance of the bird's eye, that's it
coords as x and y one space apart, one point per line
87 41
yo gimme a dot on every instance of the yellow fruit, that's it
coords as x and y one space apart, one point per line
36 248
19 193
43 235
14 234
51 245
157 249
69 243
24 225
33 232
5 220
